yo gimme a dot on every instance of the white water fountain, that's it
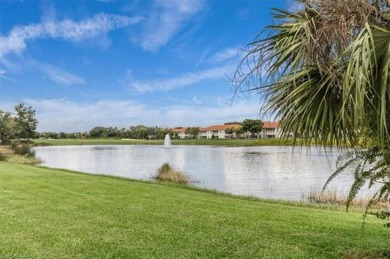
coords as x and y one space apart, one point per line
167 141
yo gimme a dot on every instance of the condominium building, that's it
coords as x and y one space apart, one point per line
270 130
218 131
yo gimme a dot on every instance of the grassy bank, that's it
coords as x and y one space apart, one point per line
215 142
56 214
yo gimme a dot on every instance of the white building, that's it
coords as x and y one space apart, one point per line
270 130
218 131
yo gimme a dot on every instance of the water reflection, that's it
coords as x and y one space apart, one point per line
267 172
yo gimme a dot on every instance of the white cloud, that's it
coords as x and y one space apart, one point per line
163 85
166 19
225 55
59 75
3 75
68 116
66 30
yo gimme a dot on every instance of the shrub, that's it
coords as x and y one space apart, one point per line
5 152
22 149
168 174
25 160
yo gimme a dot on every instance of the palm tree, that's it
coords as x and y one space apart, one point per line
324 71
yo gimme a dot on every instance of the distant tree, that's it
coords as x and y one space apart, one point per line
151 132
97 132
112 132
160 133
192 132
139 131
232 122
239 131
229 132
62 135
52 135
73 135
253 126
25 121
83 135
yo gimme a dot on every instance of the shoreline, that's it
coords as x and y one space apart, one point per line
211 142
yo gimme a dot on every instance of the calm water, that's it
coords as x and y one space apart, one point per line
267 172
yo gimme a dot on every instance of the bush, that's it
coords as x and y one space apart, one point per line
20 148
168 174
24 160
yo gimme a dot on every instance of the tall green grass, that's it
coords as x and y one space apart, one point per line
169 174
333 196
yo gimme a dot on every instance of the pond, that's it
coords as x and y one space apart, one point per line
265 172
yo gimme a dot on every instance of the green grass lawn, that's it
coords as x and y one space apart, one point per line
216 142
47 213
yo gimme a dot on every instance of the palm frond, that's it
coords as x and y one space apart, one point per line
367 81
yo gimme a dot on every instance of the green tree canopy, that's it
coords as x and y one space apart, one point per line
21 124
192 132
25 121
253 126
97 132
6 127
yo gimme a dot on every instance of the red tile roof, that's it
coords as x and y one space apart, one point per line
178 130
271 125
220 127
266 125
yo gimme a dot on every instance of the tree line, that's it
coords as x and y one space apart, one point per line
22 124
132 132
147 132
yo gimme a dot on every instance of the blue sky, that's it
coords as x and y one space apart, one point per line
164 63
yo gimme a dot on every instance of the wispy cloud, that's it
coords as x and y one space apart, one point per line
69 30
59 75
224 62
215 114
65 115
225 55
163 85
3 75
166 18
